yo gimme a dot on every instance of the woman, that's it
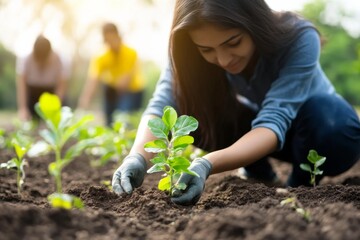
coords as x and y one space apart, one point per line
41 71
252 79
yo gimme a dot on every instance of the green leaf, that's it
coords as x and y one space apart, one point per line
183 141
158 167
184 125
65 201
19 150
54 169
169 117
320 162
160 158
38 111
70 130
287 201
180 164
50 106
77 149
165 184
9 164
180 186
48 137
305 167
117 126
38 149
66 117
313 156
158 128
155 146
78 203
191 173
58 200
318 172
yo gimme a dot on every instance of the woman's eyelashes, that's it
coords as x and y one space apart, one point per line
205 50
232 44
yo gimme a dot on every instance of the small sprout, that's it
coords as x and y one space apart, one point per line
21 145
173 138
297 206
65 201
61 127
316 160
112 143
107 184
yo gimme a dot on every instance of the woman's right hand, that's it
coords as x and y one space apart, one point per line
130 174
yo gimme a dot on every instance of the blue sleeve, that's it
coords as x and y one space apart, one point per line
294 85
162 96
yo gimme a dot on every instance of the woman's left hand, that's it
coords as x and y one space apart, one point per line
194 184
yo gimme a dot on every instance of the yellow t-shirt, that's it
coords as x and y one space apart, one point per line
109 67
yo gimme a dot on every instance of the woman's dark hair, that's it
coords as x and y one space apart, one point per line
42 49
109 28
200 88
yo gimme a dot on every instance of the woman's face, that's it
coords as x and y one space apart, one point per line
230 49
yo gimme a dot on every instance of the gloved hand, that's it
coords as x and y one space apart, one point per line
130 174
194 185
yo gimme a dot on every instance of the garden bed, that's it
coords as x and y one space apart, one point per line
230 207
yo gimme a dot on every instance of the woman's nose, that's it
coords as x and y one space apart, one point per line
223 58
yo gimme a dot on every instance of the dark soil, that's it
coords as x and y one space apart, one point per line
230 207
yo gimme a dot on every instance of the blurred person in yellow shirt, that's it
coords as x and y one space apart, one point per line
117 69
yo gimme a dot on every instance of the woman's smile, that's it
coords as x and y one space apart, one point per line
231 49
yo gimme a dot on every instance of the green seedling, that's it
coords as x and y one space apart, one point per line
24 128
65 201
107 184
21 145
173 138
112 143
62 126
316 160
294 203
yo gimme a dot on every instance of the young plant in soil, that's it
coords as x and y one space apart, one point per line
61 128
316 160
173 138
21 145
297 206
112 143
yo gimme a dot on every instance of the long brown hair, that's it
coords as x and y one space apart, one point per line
201 89
42 49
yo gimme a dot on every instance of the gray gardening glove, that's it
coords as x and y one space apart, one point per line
130 174
195 185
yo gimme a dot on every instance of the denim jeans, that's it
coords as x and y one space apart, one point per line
327 124
121 101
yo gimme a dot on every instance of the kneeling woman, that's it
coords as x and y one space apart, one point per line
252 79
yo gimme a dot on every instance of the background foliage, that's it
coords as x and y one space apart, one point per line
340 58
7 79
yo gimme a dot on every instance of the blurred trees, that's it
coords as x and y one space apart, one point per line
7 79
340 57
75 27
78 24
